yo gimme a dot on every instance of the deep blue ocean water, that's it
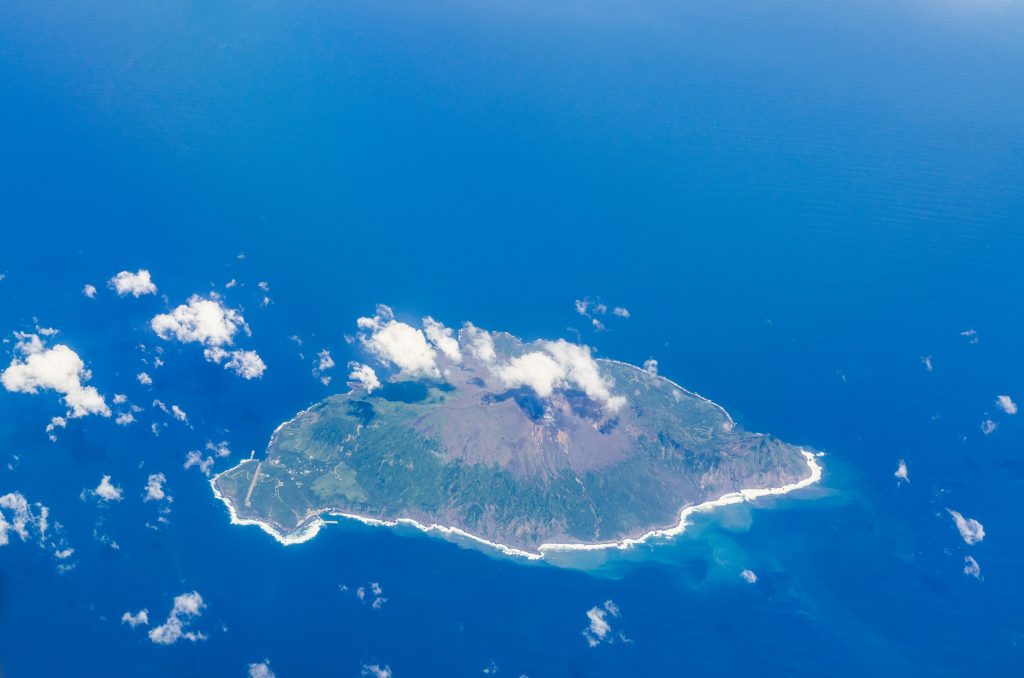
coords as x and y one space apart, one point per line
795 200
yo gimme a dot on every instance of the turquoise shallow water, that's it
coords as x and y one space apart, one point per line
796 203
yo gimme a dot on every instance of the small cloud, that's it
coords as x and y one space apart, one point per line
155 488
124 418
901 471
22 518
140 618
651 366
988 426
55 423
231 283
971 335
477 342
200 320
1006 404
120 398
442 339
376 671
926 360
971 567
246 364
621 312
135 284
324 363
144 379
970 529
261 670
748 576
599 629
58 369
263 285
187 607
179 413
560 365
195 458
396 343
221 449
107 491
89 291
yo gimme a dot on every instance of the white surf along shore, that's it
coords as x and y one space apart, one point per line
315 522
311 527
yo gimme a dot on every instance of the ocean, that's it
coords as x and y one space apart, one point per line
798 203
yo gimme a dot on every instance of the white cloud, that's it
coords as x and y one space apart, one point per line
926 360
261 670
748 576
155 488
621 312
442 339
221 449
140 618
195 458
901 471
477 342
988 426
1006 404
246 364
231 283
537 370
560 365
135 284
16 515
124 418
120 398
263 285
201 320
55 423
89 291
58 369
397 343
970 529
144 379
651 366
187 607
582 306
376 671
363 376
107 491
970 334
324 363
600 628
179 413
971 567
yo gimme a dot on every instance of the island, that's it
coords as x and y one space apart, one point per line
523 472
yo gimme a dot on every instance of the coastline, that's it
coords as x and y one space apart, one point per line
311 528
681 388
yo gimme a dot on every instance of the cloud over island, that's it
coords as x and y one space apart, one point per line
430 351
